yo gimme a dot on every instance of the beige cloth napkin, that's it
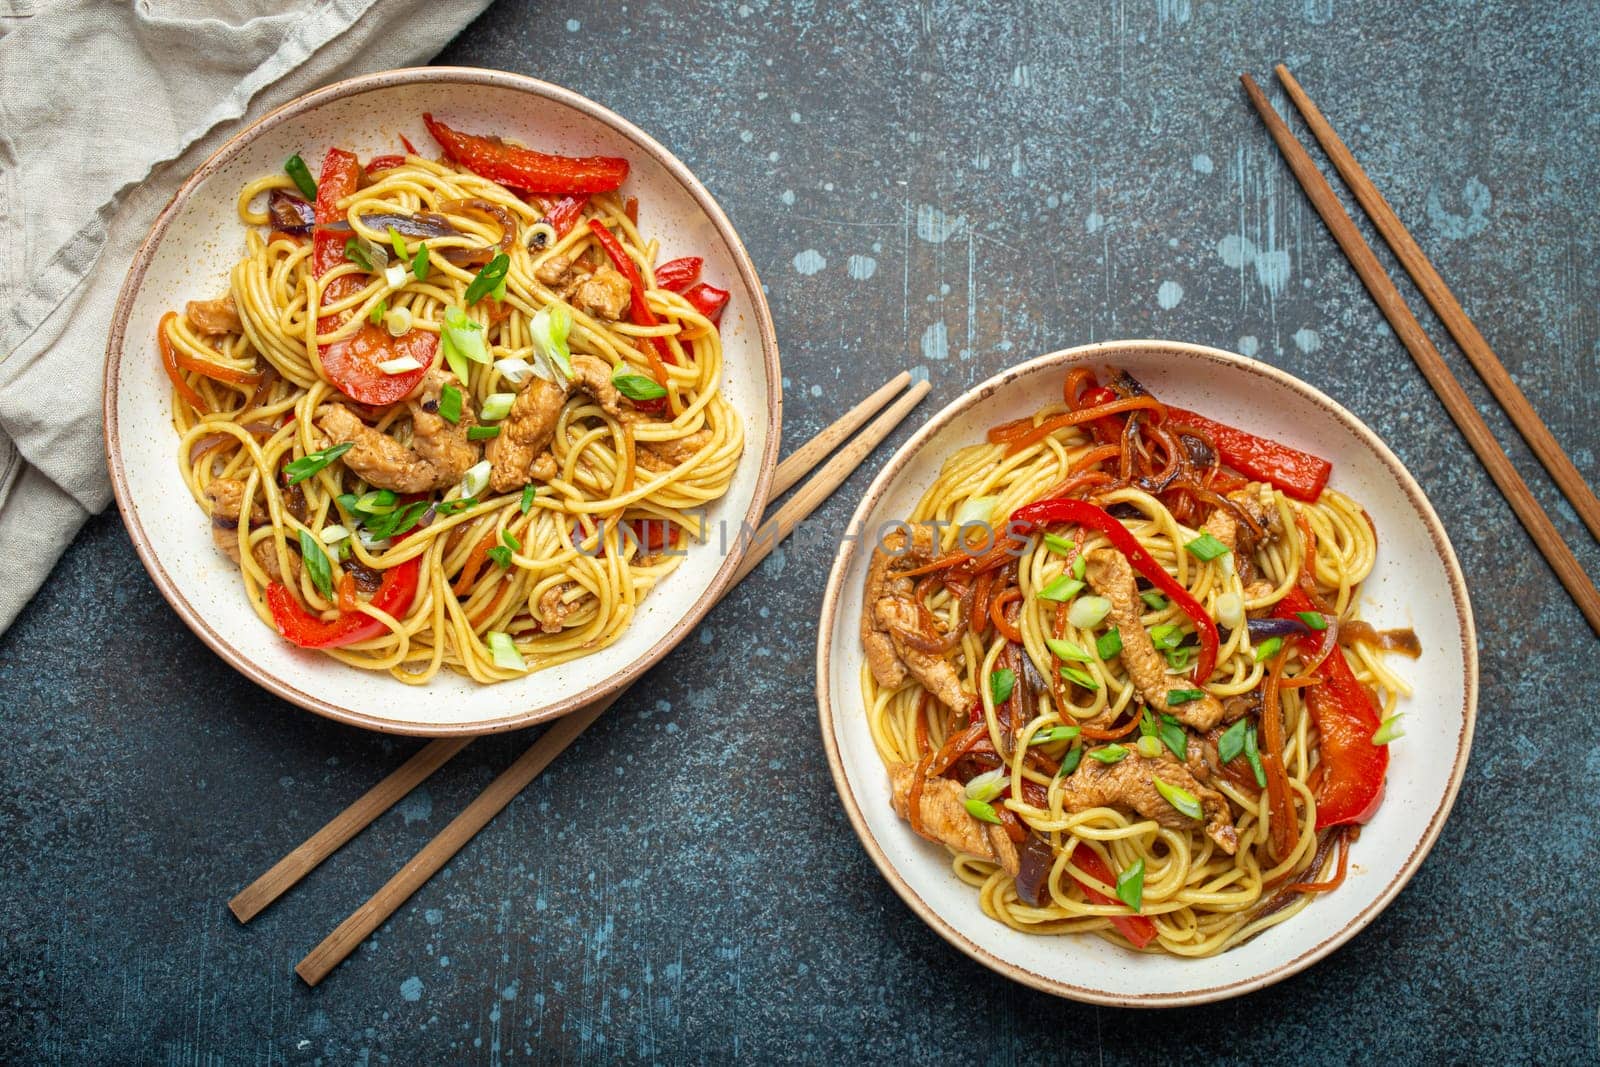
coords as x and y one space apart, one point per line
105 108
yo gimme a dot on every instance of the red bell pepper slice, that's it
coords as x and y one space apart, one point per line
1083 513
300 627
679 274
1299 474
567 211
351 364
1353 768
709 301
524 168
638 310
1139 930
378 163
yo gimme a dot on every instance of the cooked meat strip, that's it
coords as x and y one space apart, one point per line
594 378
1255 500
943 816
938 675
553 611
225 498
659 456
554 271
380 459
214 316
1130 784
603 294
1112 577
524 434
890 607
439 442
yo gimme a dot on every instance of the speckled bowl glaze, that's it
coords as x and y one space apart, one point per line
1417 582
188 254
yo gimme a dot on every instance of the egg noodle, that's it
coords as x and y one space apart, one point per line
1195 898
581 549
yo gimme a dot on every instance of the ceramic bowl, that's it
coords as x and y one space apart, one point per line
187 255
1417 583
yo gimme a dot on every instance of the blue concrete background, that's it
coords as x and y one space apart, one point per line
950 186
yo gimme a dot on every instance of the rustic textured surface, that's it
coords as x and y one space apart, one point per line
955 187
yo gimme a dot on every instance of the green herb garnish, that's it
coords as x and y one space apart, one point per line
1109 753
1268 648
450 404
1206 548
1130 885
1066 650
637 386
1231 743
1073 674
482 433
1001 682
1184 696
1108 644
316 561
1314 619
300 469
528 493
1061 589
296 168
488 278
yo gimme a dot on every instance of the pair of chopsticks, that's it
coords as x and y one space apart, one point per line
1427 357
283 875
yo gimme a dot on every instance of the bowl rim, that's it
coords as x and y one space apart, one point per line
1202 994
133 282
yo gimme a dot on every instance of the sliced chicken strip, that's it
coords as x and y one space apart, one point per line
943 816
594 378
937 674
225 498
214 317
439 442
604 294
1112 577
378 458
1130 783
553 611
524 434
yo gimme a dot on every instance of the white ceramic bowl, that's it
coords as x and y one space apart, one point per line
1417 583
187 256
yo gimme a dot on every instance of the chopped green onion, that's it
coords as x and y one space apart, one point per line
549 329
1389 730
1066 650
399 365
1153 600
1073 674
515 371
488 278
1150 747
1230 610
332 535
355 253
398 243
317 565
1062 589
1206 548
1314 619
1147 724
988 785
450 404
450 507
636 386
1054 734
419 265
379 310
296 168
504 651
1253 755
396 522
476 480
312 462
509 539
1178 797
1057 543
482 433
1231 743
1268 648
377 502
1001 682
1070 761
1088 612
1165 636
1080 567
980 810
1172 734
1179 658
1109 753
501 556
496 406
462 340
975 510
1109 644
394 275
398 321
1130 885
499 291
528 493
1184 696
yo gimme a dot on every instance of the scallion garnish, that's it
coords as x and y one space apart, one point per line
419 265
528 493
380 527
1253 754
496 406
1070 761
1001 682
549 329
979 809
1173 736
509 539
501 556
1066 650
1231 743
398 243
1083 678
987 786
1178 797
1165 636
482 433
1088 612
379 310
316 561
377 502
1153 600
1183 696
462 340
1179 658
1059 544
1206 548
1109 753
1109 644
1080 567
451 507
504 651
1147 724
300 469
296 169
1268 648
1054 734
1389 730
636 386
1061 589
1314 619
355 253
488 278
450 404
1130 885
1149 747
476 480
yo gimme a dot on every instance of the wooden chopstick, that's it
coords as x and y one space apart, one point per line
1449 310
283 875
437 852
1429 361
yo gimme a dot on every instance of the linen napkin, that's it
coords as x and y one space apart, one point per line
105 109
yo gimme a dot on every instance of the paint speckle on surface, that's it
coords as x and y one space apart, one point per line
1474 197
411 989
935 342
1249 345
861 267
1093 222
794 117
1271 265
787 196
746 136
417 805
809 262
1201 163
934 226
1169 294
573 25
1306 340
433 916
1236 251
